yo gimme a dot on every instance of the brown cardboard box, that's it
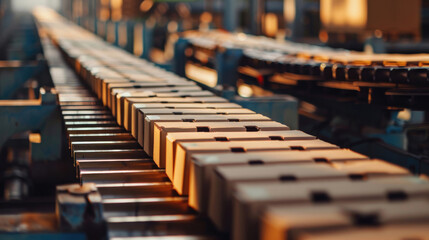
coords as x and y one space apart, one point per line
184 113
161 129
107 87
110 153
173 139
387 232
118 106
115 164
91 130
251 199
97 76
129 102
117 95
97 145
136 107
101 85
292 223
203 165
225 178
100 137
161 153
147 132
185 151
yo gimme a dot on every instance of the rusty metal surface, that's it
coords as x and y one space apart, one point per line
28 222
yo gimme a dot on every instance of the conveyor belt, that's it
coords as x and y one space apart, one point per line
305 59
232 170
138 198
399 80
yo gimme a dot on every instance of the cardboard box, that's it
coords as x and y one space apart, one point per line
225 178
84 112
184 113
118 94
160 155
91 130
161 129
91 123
122 176
101 84
118 105
129 102
185 151
96 78
137 107
387 232
173 139
203 165
100 137
87 118
299 222
98 145
116 164
105 84
110 153
107 88
251 199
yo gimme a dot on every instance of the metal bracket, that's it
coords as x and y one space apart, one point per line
79 208
227 62
42 116
180 57
14 74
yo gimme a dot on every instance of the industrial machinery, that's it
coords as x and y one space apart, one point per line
247 137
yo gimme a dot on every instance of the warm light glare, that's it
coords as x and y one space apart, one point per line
323 36
245 90
116 14
172 26
116 3
289 10
206 17
146 5
202 75
116 6
104 14
404 115
104 2
344 13
271 24
169 46
35 138
138 39
356 13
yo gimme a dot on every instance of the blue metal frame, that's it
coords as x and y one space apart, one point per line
42 236
12 78
227 62
44 118
230 22
180 57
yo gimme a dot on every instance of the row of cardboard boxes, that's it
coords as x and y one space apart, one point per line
251 176
129 194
